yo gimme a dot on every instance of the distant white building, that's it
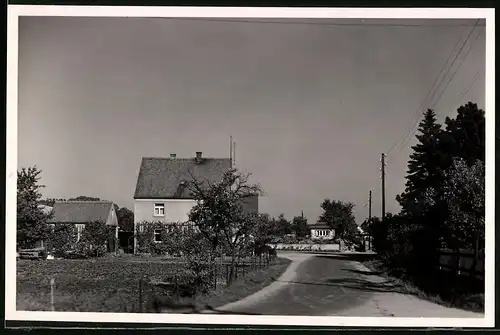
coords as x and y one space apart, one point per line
321 231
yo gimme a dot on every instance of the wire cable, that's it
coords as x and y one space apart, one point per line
263 21
416 115
455 73
408 135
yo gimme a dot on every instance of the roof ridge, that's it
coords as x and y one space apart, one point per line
85 201
185 158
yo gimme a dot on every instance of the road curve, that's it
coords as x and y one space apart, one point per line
310 286
336 285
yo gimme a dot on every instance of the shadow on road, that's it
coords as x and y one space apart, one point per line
356 257
366 273
388 286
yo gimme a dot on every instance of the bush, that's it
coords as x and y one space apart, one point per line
61 239
94 240
200 262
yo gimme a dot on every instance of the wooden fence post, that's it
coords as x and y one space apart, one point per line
214 273
52 288
141 287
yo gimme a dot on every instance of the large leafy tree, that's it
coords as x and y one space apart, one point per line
219 214
125 219
338 215
464 136
465 196
264 229
31 220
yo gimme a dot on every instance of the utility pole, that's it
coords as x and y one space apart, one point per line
383 185
370 205
231 150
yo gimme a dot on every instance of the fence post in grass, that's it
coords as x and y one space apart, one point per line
214 273
52 287
141 287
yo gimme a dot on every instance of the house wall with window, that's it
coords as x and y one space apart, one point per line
162 210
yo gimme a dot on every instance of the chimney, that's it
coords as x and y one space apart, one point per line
173 155
198 158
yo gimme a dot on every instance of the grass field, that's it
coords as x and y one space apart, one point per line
112 284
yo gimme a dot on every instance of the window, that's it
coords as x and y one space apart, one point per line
79 230
159 209
157 235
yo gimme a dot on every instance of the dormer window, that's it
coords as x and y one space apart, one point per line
159 209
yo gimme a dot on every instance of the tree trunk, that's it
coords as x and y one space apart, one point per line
232 266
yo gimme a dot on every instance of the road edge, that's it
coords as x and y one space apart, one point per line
270 289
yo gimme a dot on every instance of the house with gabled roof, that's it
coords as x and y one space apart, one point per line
162 194
79 213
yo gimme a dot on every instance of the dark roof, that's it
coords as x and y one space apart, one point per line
81 211
319 226
161 177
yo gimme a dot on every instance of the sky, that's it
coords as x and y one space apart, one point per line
311 105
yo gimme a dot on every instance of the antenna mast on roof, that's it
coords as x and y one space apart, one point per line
234 152
231 150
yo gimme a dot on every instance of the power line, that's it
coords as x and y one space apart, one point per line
456 57
408 136
456 71
416 115
469 86
257 20
476 77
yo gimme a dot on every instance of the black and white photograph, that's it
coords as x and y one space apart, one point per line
251 166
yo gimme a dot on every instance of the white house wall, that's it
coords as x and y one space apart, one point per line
315 235
175 210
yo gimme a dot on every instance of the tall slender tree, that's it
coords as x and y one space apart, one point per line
424 167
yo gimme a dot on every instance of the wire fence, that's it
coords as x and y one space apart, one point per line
176 292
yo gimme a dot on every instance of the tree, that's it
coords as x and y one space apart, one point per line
125 219
424 167
300 227
338 215
94 239
263 230
219 214
464 136
283 226
31 221
465 196
84 198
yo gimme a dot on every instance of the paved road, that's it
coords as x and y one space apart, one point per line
336 285
321 285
